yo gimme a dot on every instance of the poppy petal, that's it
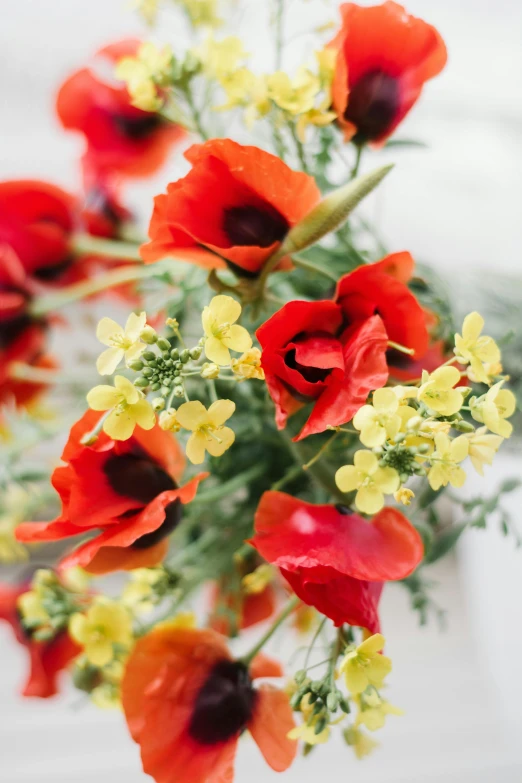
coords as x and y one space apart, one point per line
269 726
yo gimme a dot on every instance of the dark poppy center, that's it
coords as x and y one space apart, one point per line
137 128
254 226
173 514
137 477
398 359
52 272
373 105
344 510
12 329
310 374
224 704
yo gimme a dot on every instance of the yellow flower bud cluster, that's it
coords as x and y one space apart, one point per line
47 607
409 428
15 507
143 74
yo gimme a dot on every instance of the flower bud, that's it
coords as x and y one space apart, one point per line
184 356
179 391
195 353
163 344
136 365
174 354
141 382
149 356
148 335
209 371
158 404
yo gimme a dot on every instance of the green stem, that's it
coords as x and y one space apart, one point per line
294 472
47 304
358 157
319 473
303 263
279 19
324 448
289 608
85 244
299 147
229 487
315 637
400 348
196 114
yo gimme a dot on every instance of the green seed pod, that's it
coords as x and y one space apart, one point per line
400 437
178 366
141 382
332 701
148 372
195 353
174 354
184 356
344 704
320 726
148 335
149 356
179 391
163 345
155 386
316 685
136 365
423 448
300 676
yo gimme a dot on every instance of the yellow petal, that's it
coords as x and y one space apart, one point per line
220 411
355 677
216 351
472 326
445 377
373 434
373 645
506 403
363 417
226 438
107 329
77 627
457 478
238 339
369 500
134 352
347 478
196 448
107 362
479 370
119 425
378 669
459 448
102 398
192 415
437 477
100 652
127 389
387 479
143 414
384 400
224 309
365 461
442 442
135 325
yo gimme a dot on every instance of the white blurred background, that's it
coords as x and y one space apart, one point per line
456 206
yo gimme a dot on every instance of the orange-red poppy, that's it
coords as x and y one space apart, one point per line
384 57
121 140
232 209
232 610
126 491
46 659
187 701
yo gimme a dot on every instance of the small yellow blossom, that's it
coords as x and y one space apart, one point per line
379 421
316 117
105 624
258 580
202 13
209 371
142 74
221 331
124 343
474 348
107 695
208 432
437 392
482 448
14 504
364 665
304 618
75 579
127 407
493 408
168 420
326 59
493 372
295 96
306 731
404 496
220 59
360 742
445 460
248 365
372 710
32 609
370 481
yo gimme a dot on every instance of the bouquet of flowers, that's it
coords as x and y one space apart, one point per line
280 411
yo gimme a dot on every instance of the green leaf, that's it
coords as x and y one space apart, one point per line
406 143
445 542
510 484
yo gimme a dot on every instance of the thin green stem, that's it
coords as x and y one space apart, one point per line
85 244
315 637
196 114
289 608
400 348
48 304
293 473
318 472
279 21
303 263
324 448
229 487
299 148
358 157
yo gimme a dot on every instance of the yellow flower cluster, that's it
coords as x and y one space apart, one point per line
143 74
14 507
127 408
201 13
409 428
106 626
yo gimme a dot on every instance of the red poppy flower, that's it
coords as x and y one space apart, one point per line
120 139
333 559
384 57
371 290
232 610
126 490
22 337
36 220
233 208
46 659
308 356
187 702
